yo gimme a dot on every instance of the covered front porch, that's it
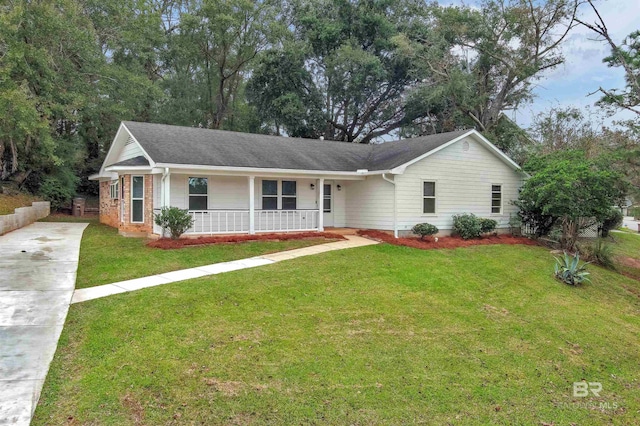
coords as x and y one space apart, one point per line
233 204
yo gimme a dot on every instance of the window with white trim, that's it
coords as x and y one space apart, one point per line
198 193
428 197
137 199
326 203
496 199
269 195
289 200
113 190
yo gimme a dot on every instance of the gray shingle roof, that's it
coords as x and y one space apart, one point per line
188 145
135 161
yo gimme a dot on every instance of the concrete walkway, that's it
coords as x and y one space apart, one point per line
84 294
38 266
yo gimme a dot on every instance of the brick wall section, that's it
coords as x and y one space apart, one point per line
110 209
138 228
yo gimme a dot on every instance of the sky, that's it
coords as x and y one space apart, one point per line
583 71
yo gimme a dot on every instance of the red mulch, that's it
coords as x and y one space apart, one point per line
445 242
168 243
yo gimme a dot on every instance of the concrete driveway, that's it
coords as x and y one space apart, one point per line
38 266
628 222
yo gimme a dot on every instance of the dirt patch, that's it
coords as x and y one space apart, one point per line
229 388
134 407
630 262
445 242
168 244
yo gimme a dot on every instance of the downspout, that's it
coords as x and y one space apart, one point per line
395 205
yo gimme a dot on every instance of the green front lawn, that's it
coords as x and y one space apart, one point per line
375 335
106 257
626 246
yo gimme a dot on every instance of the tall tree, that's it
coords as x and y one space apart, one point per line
625 55
209 57
497 51
347 52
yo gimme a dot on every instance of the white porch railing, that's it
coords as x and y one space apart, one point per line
237 221
286 220
219 222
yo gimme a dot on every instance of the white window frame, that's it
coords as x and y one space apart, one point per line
283 196
262 196
189 194
136 199
114 189
327 197
278 195
501 192
435 197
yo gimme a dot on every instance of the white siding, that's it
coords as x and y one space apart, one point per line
369 203
232 192
130 150
463 185
339 204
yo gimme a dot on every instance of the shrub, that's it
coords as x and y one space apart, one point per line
635 212
424 230
176 220
487 225
467 225
569 271
599 253
59 189
611 221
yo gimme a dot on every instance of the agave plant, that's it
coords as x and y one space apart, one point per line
569 270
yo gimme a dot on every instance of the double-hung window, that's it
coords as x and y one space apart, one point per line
137 199
198 190
113 190
289 195
496 199
428 197
269 195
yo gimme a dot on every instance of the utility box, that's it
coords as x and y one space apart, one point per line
78 205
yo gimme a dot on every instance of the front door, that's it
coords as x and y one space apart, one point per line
327 204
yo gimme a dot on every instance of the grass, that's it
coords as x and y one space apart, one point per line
106 257
374 335
626 245
8 203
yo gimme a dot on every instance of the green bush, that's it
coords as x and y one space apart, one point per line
424 230
635 212
569 271
59 189
599 253
176 220
611 221
487 225
467 225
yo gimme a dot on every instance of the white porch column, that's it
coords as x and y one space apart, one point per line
252 207
165 188
320 204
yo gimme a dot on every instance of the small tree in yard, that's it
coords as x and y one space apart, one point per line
424 230
176 220
566 188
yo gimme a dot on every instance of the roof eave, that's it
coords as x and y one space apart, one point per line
255 170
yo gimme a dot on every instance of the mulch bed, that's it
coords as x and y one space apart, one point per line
445 242
168 243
